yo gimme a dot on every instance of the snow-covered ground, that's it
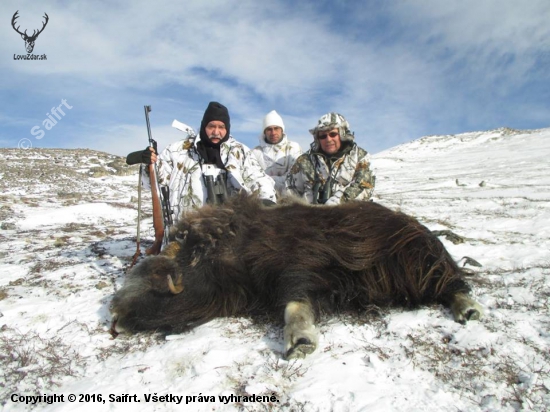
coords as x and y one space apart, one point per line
67 234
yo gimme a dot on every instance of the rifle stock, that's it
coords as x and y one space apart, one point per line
158 219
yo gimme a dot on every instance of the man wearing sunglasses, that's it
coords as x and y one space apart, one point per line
335 169
276 153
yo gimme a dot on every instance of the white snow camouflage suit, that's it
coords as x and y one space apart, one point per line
180 168
277 159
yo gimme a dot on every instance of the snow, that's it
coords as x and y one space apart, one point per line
62 260
95 213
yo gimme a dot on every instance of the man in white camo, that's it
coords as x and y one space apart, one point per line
276 153
335 169
186 166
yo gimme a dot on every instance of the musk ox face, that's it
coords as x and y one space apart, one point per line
294 260
150 284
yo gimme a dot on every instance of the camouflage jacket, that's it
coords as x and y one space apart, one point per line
180 168
350 176
277 159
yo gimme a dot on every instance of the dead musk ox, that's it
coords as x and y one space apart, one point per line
242 258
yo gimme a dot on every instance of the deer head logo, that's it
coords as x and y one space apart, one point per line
29 40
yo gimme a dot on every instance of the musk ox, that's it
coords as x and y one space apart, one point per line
297 260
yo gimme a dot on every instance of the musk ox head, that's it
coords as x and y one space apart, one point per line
146 288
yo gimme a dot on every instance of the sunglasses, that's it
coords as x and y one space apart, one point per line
324 136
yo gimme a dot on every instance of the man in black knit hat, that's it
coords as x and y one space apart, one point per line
215 127
207 169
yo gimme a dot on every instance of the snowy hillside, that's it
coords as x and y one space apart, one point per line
67 231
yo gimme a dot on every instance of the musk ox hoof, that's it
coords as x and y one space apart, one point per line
473 314
465 308
301 349
299 332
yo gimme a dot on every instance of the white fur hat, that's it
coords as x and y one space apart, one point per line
273 119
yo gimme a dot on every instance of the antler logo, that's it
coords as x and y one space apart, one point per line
29 40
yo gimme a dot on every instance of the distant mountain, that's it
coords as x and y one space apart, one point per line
455 142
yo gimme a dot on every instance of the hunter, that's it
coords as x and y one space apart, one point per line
209 167
335 169
276 153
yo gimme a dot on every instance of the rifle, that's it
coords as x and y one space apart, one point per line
162 213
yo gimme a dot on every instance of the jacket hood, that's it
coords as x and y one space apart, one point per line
331 121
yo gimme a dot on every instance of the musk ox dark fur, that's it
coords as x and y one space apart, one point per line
297 260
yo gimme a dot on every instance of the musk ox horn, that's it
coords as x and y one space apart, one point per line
175 288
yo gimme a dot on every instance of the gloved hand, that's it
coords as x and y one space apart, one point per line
141 156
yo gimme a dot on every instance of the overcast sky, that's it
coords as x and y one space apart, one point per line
397 70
